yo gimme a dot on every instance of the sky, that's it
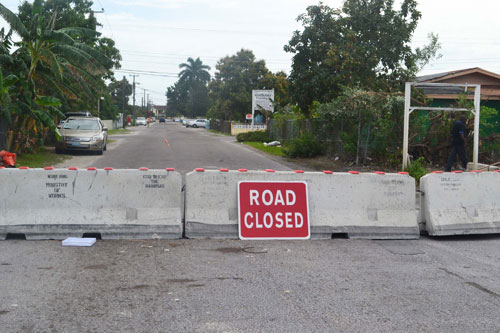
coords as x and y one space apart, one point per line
155 36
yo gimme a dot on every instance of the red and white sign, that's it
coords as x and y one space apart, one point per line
273 210
249 116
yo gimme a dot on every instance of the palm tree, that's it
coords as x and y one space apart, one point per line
194 71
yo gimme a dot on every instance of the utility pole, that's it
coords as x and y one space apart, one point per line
123 95
148 103
144 101
133 88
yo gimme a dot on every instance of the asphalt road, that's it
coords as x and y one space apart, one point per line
426 285
429 285
171 145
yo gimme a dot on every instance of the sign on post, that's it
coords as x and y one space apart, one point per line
262 100
273 210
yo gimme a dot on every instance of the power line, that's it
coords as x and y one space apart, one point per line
243 32
189 55
107 20
145 72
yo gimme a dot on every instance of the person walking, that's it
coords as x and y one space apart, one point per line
457 144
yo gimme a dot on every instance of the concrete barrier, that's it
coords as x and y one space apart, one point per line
461 203
367 205
118 204
482 167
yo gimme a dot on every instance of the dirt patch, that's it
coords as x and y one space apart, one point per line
180 280
229 249
140 286
102 266
321 163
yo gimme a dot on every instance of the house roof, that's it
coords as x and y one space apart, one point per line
490 83
452 74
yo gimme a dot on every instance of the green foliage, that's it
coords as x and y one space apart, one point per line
189 95
255 136
364 43
235 78
55 65
304 146
273 150
416 169
194 71
120 91
489 133
39 158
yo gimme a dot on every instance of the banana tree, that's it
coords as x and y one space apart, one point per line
51 65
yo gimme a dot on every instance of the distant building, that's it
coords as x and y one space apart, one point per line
446 96
157 110
489 81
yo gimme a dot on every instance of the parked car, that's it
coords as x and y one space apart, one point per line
83 133
197 123
140 121
78 114
162 120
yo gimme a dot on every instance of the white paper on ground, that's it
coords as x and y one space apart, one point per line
73 241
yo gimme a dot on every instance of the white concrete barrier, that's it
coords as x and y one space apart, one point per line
366 205
118 204
461 203
482 167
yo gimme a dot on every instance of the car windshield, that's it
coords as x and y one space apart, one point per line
141 118
82 124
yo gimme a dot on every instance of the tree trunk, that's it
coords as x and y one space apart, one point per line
341 140
366 143
358 146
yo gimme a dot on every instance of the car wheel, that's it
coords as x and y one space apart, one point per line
105 146
101 151
195 126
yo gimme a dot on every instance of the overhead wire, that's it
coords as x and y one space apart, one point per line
107 20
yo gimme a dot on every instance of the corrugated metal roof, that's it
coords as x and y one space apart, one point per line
431 77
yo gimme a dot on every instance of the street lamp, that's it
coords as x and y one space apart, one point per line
99 106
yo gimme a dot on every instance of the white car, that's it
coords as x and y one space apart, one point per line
197 123
140 121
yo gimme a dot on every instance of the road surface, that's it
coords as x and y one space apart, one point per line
427 285
171 145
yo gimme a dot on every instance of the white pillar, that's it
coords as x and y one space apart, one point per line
406 123
253 109
477 108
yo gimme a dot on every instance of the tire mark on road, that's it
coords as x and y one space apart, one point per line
472 284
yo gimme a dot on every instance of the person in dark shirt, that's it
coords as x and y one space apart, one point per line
457 144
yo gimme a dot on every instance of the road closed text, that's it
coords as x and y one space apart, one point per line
273 210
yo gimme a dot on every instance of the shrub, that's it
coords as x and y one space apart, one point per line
256 136
417 168
305 146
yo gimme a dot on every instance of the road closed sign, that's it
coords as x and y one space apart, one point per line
273 210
